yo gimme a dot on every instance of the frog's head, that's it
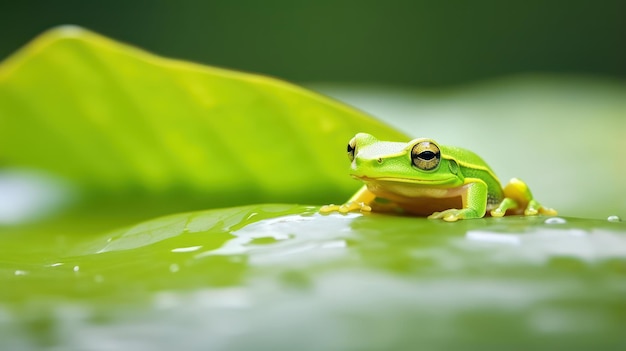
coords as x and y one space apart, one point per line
419 161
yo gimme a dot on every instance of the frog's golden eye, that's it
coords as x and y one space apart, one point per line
425 155
352 149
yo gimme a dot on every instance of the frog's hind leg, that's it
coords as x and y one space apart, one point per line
517 196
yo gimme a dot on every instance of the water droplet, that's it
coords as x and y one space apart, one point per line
174 268
614 219
555 220
18 272
76 268
56 264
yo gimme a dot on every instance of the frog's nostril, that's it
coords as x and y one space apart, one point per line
379 160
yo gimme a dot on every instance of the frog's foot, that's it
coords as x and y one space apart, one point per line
345 208
518 193
534 208
454 214
506 204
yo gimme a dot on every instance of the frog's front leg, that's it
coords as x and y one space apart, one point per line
474 200
359 202
517 196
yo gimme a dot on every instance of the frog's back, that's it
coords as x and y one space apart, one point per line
473 166
464 157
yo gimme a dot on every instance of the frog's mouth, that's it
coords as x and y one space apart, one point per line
383 180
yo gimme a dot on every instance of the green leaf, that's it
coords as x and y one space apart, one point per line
117 122
274 277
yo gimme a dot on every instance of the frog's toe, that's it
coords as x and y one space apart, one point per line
531 211
534 208
326 209
346 208
541 210
354 207
436 215
451 215
506 204
548 211
498 212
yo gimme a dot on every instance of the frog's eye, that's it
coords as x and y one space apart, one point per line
351 149
425 155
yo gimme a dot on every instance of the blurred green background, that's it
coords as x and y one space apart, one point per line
414 43
535 88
